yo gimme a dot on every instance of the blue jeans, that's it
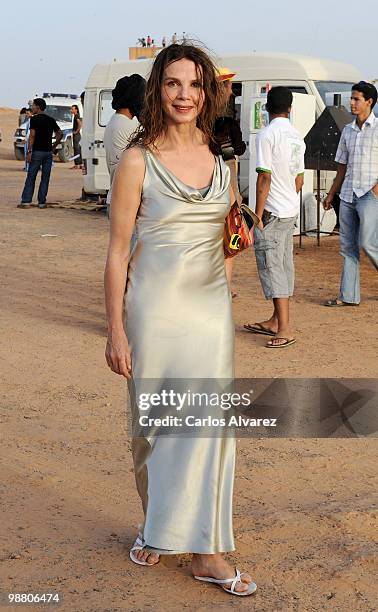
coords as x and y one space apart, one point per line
26 165
39 158
358 229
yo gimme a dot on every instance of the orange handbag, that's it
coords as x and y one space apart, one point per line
238 229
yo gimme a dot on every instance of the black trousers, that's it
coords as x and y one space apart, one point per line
77 148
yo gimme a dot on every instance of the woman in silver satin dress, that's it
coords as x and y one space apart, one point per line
178 318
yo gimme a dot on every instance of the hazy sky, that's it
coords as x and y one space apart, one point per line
52 46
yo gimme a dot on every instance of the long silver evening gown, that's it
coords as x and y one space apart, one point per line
179 325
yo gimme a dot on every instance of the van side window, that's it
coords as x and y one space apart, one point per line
301 90
105 110
237 90
293 89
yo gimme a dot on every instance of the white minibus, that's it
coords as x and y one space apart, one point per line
308 75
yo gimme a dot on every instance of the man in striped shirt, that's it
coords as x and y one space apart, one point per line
357 177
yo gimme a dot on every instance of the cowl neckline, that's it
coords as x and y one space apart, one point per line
171 185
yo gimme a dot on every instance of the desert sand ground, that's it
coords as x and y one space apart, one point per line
305 513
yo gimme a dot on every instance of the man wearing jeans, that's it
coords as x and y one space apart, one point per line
39 154
357 176
280 167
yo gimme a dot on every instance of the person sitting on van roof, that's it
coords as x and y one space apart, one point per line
128 96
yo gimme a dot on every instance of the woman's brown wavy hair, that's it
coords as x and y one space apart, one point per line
152 124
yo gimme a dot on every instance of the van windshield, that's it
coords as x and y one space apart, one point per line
327 89
59 113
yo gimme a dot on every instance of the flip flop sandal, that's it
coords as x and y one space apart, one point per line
232 581
257 328
138 545
287 342
336 302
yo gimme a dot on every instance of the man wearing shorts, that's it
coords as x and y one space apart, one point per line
280 168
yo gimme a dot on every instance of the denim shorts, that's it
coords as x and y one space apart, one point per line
274 256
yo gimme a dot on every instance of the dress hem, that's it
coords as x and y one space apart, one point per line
163 551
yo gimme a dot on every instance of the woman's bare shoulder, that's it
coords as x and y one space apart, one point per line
133 159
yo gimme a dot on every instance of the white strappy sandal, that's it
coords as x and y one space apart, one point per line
233 581
138 545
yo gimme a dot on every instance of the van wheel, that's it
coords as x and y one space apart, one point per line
19 154
66 151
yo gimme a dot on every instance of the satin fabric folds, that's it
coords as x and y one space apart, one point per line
179 326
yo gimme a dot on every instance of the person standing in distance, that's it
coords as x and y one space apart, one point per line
22 116
280 167
76 136
40 152
28 114
228 134
357 177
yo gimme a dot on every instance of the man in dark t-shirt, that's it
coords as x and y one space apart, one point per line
39 154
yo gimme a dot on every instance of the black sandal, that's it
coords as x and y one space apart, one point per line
336 302
257 328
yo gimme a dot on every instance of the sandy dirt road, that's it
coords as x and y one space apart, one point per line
305 513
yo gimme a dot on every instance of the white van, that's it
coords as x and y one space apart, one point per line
302 74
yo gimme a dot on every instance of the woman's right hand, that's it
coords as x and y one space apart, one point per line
117 353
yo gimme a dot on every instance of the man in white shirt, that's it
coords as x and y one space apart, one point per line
127 101
357 177
280 167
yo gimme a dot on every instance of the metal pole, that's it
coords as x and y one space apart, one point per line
300 218
318 206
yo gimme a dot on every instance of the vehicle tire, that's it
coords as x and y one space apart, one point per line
19 154
66 151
